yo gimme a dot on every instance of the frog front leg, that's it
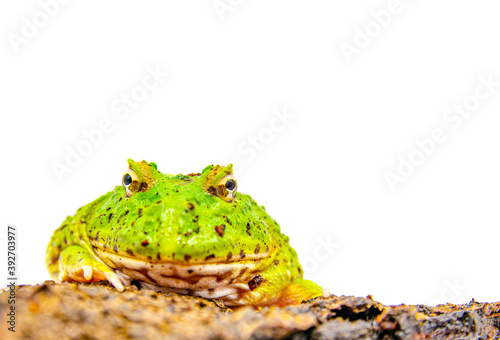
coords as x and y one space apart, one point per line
77 264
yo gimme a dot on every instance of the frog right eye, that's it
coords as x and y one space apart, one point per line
130 182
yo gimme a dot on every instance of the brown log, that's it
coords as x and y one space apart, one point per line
97 311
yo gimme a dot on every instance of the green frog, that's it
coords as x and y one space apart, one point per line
190 234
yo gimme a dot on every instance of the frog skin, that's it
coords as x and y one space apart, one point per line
189 234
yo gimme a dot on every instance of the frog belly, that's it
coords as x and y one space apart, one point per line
227 280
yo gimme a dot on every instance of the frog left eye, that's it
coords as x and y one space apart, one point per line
130 182
227 188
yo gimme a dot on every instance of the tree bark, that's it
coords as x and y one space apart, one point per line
98 311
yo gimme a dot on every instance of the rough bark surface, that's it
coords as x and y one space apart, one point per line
97 311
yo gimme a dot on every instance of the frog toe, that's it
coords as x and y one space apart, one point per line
101 272
114 280
87 272
63 276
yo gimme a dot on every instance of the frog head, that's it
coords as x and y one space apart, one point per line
194 218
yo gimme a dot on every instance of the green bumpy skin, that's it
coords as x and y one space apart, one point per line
191 234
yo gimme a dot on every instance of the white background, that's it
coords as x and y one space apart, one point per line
232 70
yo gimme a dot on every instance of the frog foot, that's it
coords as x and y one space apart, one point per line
299 290
77 264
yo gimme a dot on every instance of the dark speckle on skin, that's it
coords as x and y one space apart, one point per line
255 282
187 257
212 191
227 220
257 249
139 212
229 255
126 212
62 227
190 206
158 256
115 248
220 229
110 216
209 257
248 229
108 209
190 271
144 243
242 254
130 252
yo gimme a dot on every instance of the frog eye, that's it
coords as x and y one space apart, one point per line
227 188
130 182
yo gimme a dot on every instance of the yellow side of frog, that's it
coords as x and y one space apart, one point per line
190 234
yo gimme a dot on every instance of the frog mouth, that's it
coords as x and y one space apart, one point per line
224 280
